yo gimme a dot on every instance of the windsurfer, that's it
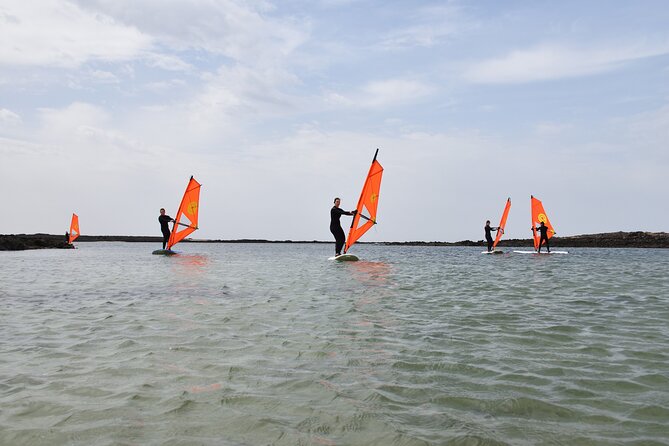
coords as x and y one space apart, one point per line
488 235
164 228
67 237
543 229
335 225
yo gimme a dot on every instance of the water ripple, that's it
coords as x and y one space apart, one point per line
420 346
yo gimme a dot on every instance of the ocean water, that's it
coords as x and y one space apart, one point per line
272 344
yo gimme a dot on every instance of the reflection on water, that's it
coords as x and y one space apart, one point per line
223 344
371 273
189 263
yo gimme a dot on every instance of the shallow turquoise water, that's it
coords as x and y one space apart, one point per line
261 344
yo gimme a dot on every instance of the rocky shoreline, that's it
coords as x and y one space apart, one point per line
22 242
620 239
18 242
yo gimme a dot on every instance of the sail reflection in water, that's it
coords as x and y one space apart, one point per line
371 273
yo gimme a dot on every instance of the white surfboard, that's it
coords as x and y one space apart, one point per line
345 258
542 252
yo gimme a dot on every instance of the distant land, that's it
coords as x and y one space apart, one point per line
18 242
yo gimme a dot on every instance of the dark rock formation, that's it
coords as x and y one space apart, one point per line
607 240
32 241
615 240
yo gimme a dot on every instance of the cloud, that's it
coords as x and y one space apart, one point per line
648 133
432 25
9 119
224 109
546 62
167 62
60 34
383 93
18 148
87 136
243 89
165 86
242 31
552 128
67 120
104 77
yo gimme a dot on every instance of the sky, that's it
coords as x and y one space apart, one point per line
107 107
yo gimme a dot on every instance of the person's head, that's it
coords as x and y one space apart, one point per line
542 223
162 211
337 202
487 222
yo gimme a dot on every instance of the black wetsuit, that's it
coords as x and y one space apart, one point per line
488 235
544 237
164 228
67 237
335 228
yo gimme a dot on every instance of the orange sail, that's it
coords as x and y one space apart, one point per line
538 216
367 204
185 222
74 228
502 223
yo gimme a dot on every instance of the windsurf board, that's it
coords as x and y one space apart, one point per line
164 252
345 258
542 252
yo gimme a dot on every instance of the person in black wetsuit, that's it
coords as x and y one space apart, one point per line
544 236
67 237
488 235
335 225
164 227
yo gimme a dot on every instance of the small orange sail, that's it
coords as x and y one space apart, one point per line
74 228
538 216
502 223
185 222
367 204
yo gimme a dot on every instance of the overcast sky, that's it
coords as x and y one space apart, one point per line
108 106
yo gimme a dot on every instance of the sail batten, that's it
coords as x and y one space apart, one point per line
367 204
186 220
538 216
74 228
502 223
